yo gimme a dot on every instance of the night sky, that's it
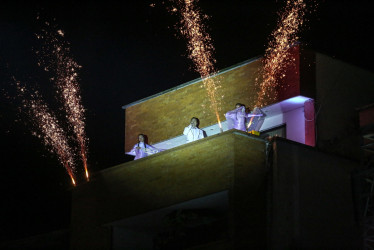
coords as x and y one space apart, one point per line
129 51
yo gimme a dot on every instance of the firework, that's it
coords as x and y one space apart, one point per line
200 50
277 56
51 133
55 57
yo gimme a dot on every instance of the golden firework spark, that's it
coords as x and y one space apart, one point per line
55 57
277 56
200 50
51 133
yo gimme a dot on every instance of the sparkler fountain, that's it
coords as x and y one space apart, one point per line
200 51
50 131
65 68
277 56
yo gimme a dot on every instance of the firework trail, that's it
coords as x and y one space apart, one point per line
51 133
55 57
200 50
277 56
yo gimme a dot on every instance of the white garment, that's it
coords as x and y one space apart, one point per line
142 149
193 134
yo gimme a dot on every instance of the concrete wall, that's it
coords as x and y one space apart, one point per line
57 240
366 115
295 125
312 203
341 89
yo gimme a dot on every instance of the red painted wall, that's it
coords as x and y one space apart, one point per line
289 85
310 138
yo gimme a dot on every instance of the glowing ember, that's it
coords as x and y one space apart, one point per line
201 50
60 32
277 56
55 57
51 133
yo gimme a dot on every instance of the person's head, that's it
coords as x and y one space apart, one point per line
141 138
194 122
238 105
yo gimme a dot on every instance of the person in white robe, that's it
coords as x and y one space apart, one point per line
142 149
192 132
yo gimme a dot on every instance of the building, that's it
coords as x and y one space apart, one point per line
234 190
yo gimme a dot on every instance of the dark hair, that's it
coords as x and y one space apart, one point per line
239 104
144 136
197 119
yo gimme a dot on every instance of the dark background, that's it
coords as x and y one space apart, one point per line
129 51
